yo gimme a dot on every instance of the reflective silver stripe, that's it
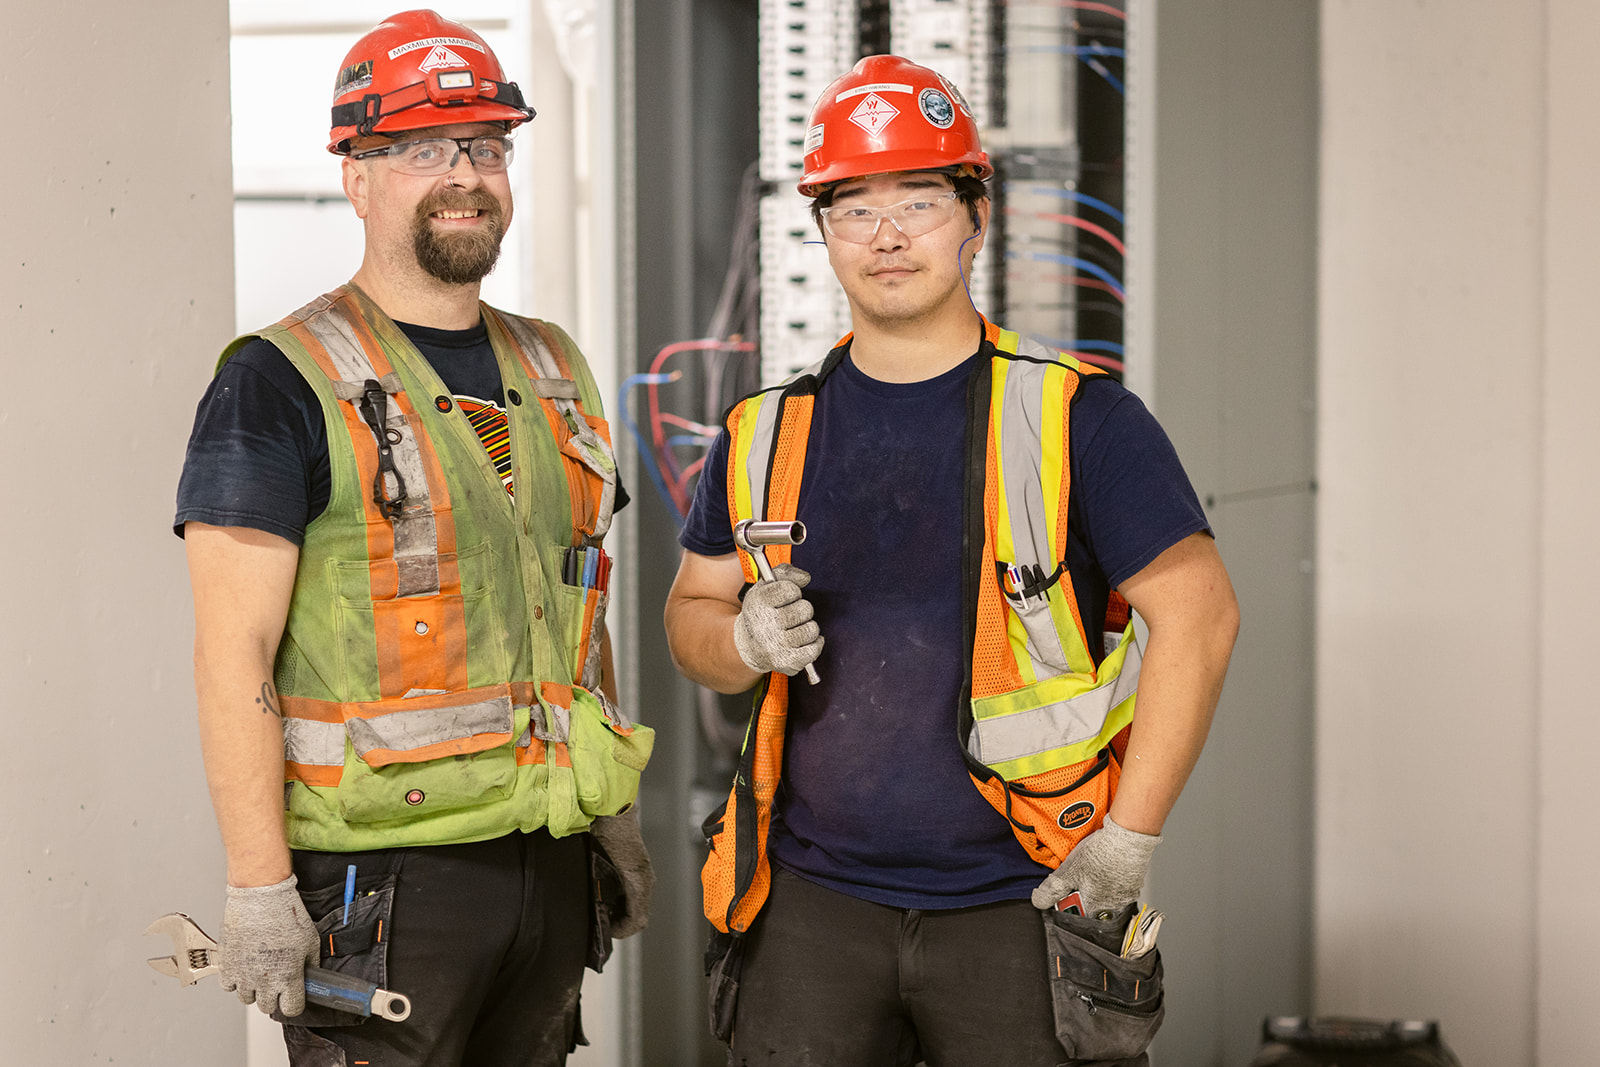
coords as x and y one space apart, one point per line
1021 447
307 741
405 731
592 450
554 727
1067 722
416 537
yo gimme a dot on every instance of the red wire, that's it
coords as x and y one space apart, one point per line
1104 9
1085 283
668 462
1096 358
1073 220
689 472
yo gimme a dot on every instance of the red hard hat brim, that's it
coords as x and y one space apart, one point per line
888 163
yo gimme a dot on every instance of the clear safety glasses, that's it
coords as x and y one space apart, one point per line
858 223
439 155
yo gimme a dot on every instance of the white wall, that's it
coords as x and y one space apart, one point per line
116 275
1457 859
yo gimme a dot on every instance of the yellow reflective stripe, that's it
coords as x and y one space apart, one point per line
1055 759
1057 721
739 458
1008 342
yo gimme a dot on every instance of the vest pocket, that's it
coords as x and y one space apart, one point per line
591 473
608 752
1106 1007
1052 811
357 945
412 757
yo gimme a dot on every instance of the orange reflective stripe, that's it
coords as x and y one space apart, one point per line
994 670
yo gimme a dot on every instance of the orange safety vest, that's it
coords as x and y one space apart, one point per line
1044 728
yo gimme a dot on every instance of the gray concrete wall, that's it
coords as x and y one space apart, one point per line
1457 863
116 275
1234 309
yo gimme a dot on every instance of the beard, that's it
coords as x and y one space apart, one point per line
464 257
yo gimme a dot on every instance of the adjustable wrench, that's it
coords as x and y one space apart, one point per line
194 956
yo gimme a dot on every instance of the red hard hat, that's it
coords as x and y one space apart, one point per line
888 114
419 69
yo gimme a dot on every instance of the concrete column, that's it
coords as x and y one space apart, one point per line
117 274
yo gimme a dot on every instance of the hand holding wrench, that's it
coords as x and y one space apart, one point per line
750 537
192 959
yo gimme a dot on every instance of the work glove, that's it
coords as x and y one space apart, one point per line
774 631
268 940
1107 870
619 836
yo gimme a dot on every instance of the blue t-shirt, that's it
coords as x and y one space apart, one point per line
875 799
258 453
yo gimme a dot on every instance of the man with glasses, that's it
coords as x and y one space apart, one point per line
394 502
935 848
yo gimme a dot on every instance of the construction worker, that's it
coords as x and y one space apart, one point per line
980 512
393 504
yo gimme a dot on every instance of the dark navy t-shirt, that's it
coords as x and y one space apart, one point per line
258 453
875 799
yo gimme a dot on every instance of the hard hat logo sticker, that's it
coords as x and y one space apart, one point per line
441 57
936 108
873 114
354 78
432 42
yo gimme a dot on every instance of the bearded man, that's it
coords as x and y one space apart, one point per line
393 502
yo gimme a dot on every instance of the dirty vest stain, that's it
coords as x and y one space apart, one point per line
439 680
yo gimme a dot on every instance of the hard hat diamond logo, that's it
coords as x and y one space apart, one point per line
873 114
441 56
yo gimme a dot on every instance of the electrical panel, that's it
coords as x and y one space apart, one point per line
1044 80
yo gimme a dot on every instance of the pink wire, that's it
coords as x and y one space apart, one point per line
1082 224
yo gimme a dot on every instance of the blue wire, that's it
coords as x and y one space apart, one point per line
688 439
651 467
1099 68
1077 50
1074 262
1079 198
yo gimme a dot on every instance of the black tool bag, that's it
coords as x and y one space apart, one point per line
1339 1042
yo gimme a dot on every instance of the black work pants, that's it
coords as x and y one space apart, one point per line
487 939
829 980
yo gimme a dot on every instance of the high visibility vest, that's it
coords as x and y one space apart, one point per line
1044 728
439 680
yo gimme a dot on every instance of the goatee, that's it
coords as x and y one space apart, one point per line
460 257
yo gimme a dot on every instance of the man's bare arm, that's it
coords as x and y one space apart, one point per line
701 608
1186 599
242 580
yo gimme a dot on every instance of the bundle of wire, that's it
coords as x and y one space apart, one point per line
673 459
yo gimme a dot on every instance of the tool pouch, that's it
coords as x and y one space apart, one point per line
724 961
1106 1007
358 947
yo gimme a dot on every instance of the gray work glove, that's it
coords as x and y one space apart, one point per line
1107 869
268 941
774 631
619 836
